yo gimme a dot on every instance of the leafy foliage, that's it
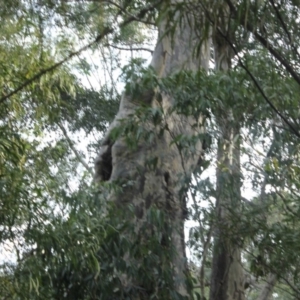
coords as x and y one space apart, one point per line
66 241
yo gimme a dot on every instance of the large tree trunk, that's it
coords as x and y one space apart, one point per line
159 186
227 272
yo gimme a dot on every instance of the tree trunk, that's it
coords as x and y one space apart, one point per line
159 186
227 273
267 289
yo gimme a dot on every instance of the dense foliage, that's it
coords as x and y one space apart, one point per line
63 67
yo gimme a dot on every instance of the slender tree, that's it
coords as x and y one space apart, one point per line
227 273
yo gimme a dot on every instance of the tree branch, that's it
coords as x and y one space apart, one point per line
130 49
106 31
271 50
71 144
293 129
264 42
284 27
136 18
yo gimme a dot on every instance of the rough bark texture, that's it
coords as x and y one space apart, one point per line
227 273
160 186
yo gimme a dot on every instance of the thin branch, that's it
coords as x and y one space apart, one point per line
291 285
106 31
274 270
107 65
265 43
271 50
136 18
284 27
71 144
286 206
130 49
274 52
293 129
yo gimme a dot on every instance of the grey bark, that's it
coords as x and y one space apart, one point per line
227 273
266 291
159 187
